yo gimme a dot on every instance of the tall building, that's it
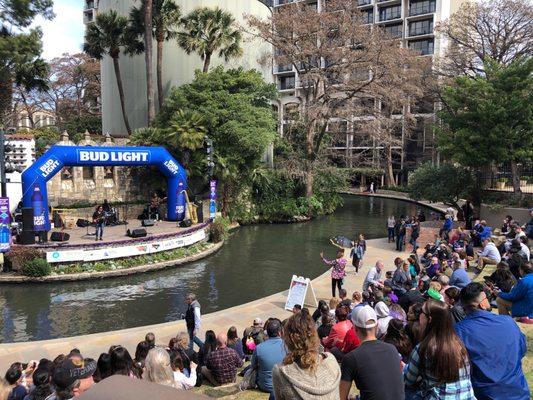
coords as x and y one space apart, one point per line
413 23
20 156
178 67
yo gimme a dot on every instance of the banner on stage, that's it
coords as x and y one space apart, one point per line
5 220
300 292
61 256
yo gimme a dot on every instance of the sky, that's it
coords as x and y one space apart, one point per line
63 34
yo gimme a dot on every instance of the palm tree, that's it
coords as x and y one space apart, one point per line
208 30
148 59
106 36
166 16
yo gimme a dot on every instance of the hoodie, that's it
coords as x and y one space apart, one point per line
294 383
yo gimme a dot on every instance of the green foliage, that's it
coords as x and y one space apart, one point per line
219 229
44 137
78 125
166 15
36 268
445 183
18 256
490 119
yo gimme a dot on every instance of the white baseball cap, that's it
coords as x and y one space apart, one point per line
364 317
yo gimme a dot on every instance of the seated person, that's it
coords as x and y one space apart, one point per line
459 276
519 301
489 255
507 223
267 354
339 330
221 365
502 278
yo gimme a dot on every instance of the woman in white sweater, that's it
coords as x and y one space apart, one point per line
182 381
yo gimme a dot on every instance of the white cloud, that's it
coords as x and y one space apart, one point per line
63 34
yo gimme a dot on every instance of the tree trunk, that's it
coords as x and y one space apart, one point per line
148 60
121 94
159 72
207 61
516 179
389 173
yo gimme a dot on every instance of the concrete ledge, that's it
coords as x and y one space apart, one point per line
112 273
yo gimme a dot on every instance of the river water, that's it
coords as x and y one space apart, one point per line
256 261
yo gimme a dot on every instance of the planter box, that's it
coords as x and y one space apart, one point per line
500 185
523 183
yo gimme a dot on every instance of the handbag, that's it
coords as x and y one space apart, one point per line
249 380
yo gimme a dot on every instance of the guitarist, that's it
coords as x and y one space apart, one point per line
99 221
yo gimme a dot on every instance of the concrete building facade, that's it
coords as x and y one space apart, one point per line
178 67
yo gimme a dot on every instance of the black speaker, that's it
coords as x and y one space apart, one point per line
148 222
200 210
27 237
82 223
59 237
185 223
137 233
27 218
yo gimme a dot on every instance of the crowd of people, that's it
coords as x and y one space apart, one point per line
421 330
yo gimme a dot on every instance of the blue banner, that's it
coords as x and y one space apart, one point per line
34 178
212 199
5 221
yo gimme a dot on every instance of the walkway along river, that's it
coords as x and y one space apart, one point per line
255 262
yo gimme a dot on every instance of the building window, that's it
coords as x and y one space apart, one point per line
394 30
368 16
424 27
88 173
363 2
287 82
422 7
388 13
425 47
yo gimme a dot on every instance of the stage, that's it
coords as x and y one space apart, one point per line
82 246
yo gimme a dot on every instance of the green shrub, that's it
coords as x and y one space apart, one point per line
18 256
218 230
36 268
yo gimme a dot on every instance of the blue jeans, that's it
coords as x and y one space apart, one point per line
99 230
399 242
414 243
194 339
390 234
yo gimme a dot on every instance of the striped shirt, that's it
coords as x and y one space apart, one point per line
427 387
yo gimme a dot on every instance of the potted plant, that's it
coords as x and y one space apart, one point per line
500 183
523 180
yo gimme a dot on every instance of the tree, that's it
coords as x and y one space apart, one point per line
235 111
107 36
497 30
148 59
446 183
208 30
166 17
490 119
341 60
20 49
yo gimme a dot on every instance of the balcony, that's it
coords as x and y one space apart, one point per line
390 13
424 47
283 68
282 2
364 2
288 83
90 4
420 28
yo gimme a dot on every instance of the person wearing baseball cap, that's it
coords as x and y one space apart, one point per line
370 362
73 377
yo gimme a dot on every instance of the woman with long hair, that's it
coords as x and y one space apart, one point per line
397 336
183 380
158 369
140 354
122 363
188 356
103 367
210 344
438 367
234 342
42 388
305 372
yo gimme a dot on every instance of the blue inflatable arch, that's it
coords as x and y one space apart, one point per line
34 178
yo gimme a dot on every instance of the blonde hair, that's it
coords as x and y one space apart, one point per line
183 340
435 285
302 341
333 303
157 367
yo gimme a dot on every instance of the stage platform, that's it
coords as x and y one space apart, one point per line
82 246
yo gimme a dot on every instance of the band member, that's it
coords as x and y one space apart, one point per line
107 207
99 221
154 210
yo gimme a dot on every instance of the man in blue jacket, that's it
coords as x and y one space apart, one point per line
495 348
519 301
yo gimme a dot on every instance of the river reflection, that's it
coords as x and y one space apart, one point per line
257 261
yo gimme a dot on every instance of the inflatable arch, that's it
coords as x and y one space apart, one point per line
34 178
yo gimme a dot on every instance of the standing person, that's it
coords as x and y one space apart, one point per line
357 253
338 270
99 221
495 348
193 320
438 367
415 233
373 360
399 231
305 372
391 223
468 214
372 187
446 227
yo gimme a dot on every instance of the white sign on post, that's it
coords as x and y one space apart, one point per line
300 292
